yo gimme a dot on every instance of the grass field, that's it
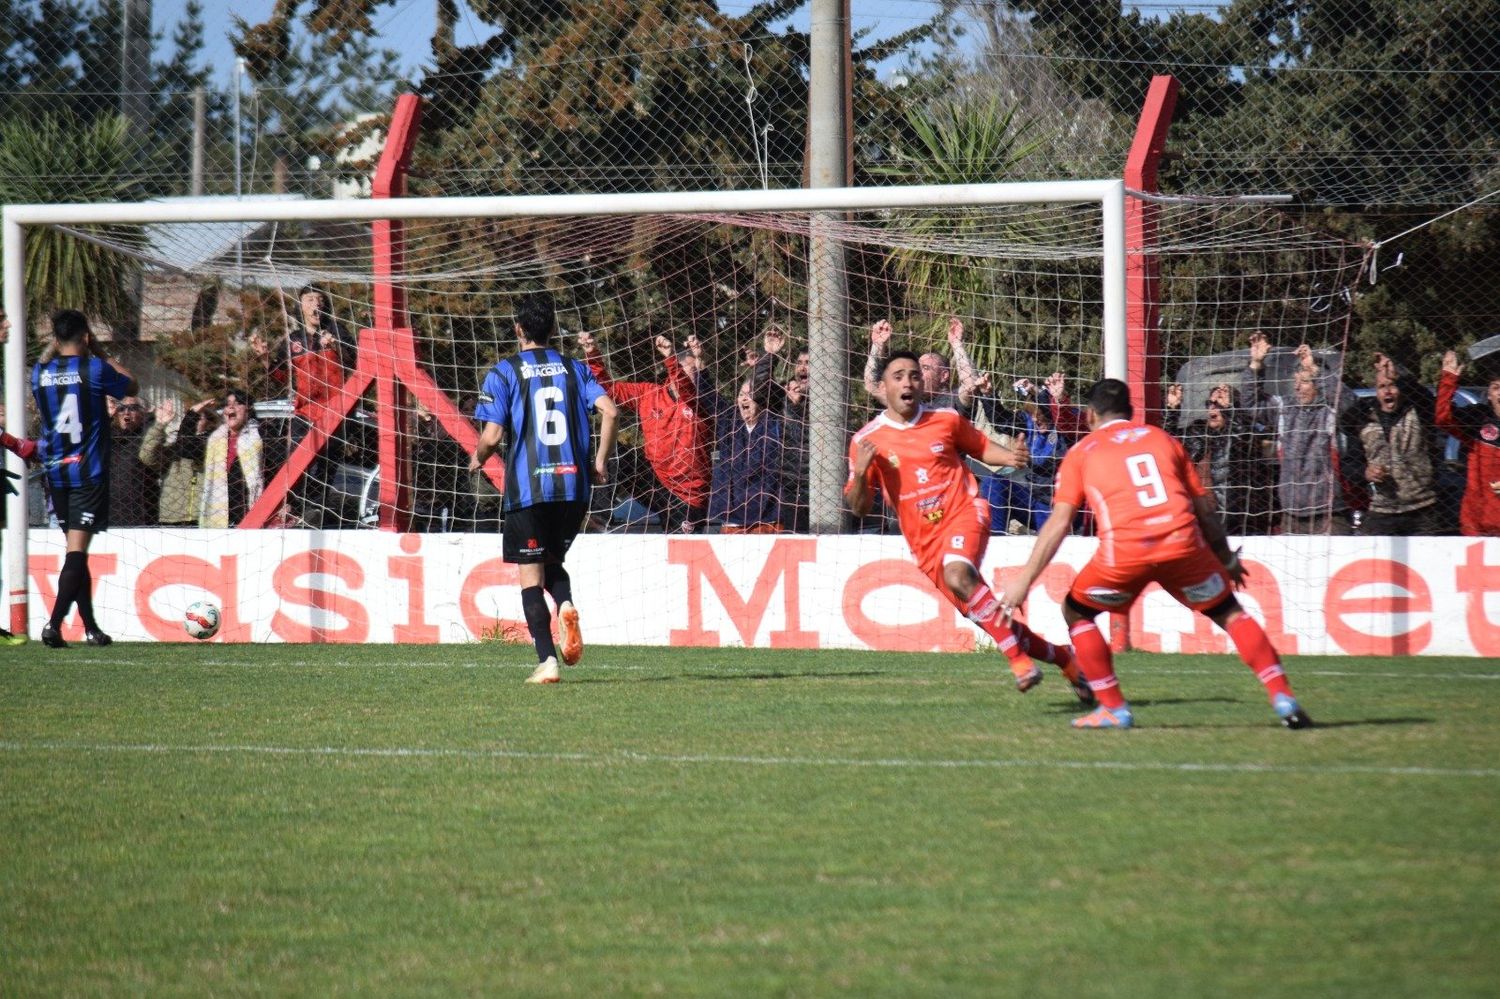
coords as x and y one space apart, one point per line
386 820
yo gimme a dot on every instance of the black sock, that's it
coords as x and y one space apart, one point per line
86 597
538 622
74 573
558 583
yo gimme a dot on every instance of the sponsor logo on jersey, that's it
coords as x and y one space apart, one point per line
50 378
929 508
1106 596
542 370
1489 432
542 470
1128 434
893 460
486 397
1206 590
936 447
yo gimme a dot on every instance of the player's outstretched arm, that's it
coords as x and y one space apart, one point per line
1048 540
609 426
1015 456
1213 532
489 441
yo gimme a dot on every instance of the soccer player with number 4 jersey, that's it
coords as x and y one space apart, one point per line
69 386
537 401
1157 524
916 456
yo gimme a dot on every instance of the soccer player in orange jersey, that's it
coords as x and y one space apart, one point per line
915 455
1157 523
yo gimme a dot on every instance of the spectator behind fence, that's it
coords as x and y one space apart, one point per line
1316 446
232 465
674 434
173 449
795 458
937 375
134 487
1226 446
1401 455
1478 429
746 497
748 455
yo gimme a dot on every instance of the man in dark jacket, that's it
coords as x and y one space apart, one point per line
1315 443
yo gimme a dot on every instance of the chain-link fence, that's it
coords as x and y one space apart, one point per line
1375 118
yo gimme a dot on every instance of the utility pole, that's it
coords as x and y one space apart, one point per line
827 300
135 65
200 138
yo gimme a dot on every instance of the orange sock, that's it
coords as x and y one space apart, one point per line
1097 663
1038 647
1256 650
984 610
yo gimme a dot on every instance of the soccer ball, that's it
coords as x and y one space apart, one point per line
201 620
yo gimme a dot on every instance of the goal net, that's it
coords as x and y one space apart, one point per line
299 453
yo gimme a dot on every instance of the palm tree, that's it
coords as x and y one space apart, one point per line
56 159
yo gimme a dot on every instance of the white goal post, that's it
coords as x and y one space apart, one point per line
828 439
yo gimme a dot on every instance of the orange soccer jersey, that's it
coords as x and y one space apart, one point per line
919 467
1140 484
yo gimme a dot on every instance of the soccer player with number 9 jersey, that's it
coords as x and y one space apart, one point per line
1157 524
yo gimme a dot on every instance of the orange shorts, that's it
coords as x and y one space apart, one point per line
1195 578
961 536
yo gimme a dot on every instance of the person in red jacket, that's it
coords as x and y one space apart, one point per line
1478 429
676 437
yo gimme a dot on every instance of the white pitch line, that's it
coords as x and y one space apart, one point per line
631 756
758 670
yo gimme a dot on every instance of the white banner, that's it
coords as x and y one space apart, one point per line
1361 596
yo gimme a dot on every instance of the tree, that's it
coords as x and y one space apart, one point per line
63 270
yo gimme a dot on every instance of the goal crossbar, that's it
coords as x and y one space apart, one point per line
1109 195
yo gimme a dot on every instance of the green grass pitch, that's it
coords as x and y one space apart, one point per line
395 820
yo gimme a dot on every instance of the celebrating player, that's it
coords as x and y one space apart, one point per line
915 455
1158 524
70 385
538 402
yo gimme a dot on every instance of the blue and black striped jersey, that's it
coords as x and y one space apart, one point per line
542 399
69 392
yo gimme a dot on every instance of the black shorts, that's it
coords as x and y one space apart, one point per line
82 508
541 533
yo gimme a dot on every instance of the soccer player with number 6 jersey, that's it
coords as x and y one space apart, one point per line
1157 523
915 455
537 401
69 386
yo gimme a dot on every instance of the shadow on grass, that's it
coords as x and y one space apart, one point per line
1357 722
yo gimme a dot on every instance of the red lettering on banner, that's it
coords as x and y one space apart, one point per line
285 582
1476 579
1377 572
493 572
44 570
939 633
221 581
783 562
1056 580
1266 591
410 569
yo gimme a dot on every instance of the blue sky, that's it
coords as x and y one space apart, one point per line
406 25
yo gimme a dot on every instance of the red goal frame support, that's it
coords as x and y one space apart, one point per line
1142 267
387 359
1143 273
